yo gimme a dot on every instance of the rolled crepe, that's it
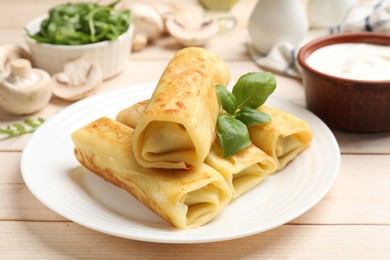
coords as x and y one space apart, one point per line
243 171
178 126
185 198
130 116
283 138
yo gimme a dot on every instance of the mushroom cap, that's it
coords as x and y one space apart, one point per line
79 79
191 32
166 10
147 20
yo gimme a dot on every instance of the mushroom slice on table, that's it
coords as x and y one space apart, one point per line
78 80
9 52
166 10
140 41
25 90
191 29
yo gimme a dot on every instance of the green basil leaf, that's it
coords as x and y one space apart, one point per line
250 116
253 89
233 135
227 100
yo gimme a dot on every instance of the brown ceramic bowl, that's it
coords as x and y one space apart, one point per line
347 104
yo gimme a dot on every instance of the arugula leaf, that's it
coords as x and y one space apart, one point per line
253 89
233 135
250 116
226 99
17 129
82 23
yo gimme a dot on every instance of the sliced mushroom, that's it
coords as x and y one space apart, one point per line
147 22
191 29
166 10
25 90
140 41
10 52
78 80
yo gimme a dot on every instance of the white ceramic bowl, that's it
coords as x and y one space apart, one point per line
111 56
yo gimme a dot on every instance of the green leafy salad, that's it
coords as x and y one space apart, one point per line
82 23
250 92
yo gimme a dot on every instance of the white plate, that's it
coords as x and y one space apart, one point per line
54 176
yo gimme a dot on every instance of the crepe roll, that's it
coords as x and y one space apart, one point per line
185 199
283 138
244 170
130 116
178 126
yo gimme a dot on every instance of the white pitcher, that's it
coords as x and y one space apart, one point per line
275 21
327 13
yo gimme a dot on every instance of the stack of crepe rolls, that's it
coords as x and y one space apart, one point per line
178 126
242 171
185 198
164 151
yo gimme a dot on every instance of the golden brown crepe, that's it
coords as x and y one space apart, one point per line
178 126
283 138
185 198
130 116
243 171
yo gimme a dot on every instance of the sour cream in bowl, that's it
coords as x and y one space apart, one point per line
359 61
347 80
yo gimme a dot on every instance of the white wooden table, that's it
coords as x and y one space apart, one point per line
352 221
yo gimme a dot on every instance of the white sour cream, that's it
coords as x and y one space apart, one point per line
359 61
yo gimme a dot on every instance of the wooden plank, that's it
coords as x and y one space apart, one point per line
18 203
360 194
9 168
68 240
363 143
12 35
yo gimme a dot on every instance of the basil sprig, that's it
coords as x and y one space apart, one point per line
250 92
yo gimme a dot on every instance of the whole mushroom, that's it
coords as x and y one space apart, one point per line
25 90
191 29
78 80
148 24
166 10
